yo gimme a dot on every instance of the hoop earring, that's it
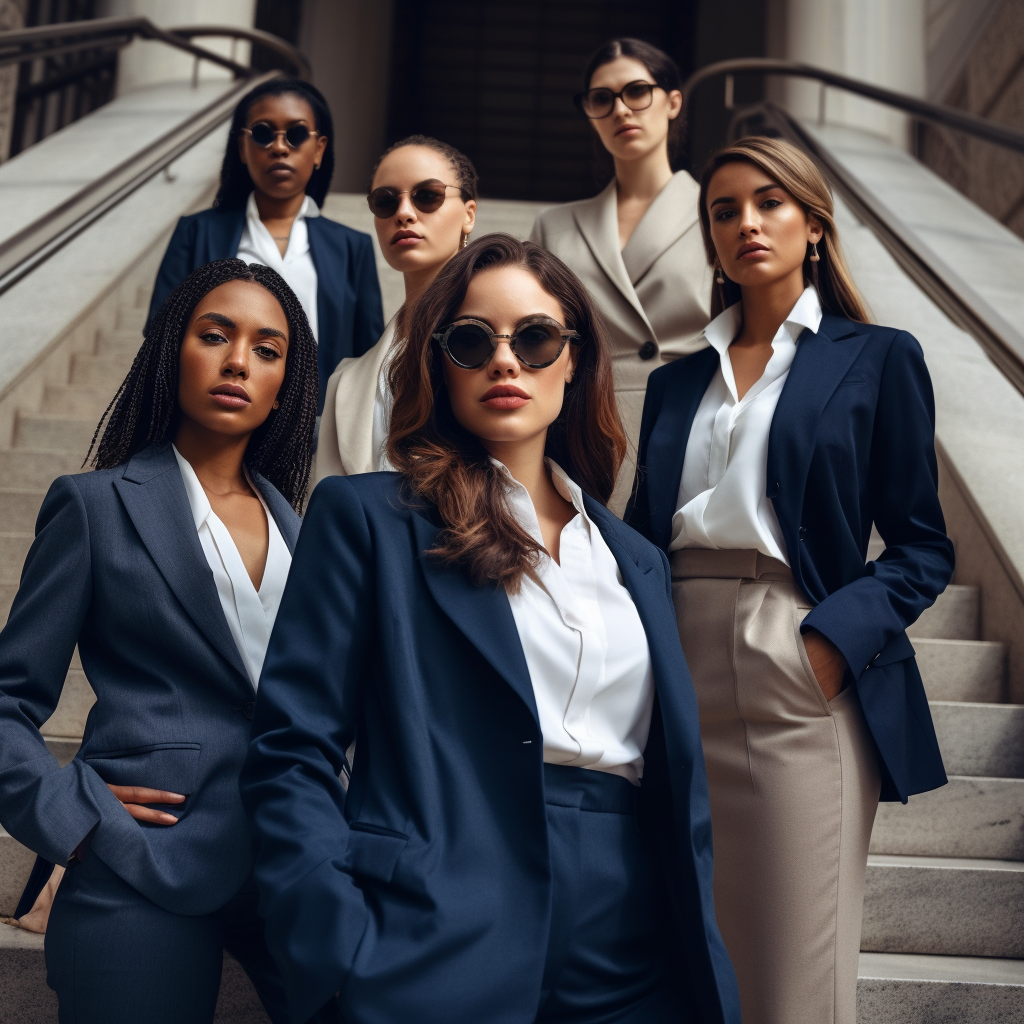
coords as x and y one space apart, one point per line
719 275
814 257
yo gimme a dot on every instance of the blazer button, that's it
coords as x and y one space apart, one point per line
647 350
803 532
773 490
247 709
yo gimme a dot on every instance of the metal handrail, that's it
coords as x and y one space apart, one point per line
936 113
1000 339
24 251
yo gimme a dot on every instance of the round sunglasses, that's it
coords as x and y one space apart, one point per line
296 135
427 197
470 344
598 103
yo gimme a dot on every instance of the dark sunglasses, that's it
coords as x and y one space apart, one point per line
536 344
598 103
426 197
296 135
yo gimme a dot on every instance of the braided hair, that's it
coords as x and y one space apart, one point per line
145 409
235 182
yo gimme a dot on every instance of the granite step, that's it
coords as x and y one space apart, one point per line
54 433
26 469
13 549
123 342
969 817
99 371
19 508
131 318
949 906
962 670
15 866
980 739
908 988
956 615
76 402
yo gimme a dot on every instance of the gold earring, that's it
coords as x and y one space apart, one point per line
277 405
719 276
814 257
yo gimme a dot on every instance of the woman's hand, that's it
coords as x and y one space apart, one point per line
828 665
133 797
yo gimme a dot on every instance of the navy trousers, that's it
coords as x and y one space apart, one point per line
606 961
115 957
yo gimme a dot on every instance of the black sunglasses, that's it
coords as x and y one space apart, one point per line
537 343
427 197
296 135
598 103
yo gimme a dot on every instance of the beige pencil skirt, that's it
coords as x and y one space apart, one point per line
794 784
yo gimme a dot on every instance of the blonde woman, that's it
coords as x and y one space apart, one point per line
763 462
423 198
636 245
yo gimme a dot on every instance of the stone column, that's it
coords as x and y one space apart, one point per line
878 41
146 63
12 16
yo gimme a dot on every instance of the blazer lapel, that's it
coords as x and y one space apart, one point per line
223 235
598 223
287 519
483 614
666 447
154 497
668 218
822 360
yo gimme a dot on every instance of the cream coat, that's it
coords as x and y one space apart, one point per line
345 446
657 289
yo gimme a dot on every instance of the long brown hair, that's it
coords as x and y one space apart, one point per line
448 467
796 174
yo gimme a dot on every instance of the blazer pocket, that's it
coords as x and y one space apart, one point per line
170 766
373 850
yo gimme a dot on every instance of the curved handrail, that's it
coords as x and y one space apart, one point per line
936 113
295 57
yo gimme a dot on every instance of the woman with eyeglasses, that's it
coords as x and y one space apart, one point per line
423 200
276 172
636 245
525 835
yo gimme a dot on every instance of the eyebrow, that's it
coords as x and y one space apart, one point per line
757 192
226 321
271 332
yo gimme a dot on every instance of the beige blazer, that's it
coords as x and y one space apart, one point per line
345 445
655 294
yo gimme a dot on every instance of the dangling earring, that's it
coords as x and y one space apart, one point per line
465 241
719 276
814 257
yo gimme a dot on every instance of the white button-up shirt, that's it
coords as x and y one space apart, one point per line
585 645
250 614
257 245
722 501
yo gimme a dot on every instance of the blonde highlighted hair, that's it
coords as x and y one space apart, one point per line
796 174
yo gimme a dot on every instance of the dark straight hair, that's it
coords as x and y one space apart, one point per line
448 467
235 183
665 72
145 409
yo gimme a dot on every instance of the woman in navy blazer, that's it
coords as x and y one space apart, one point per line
477 869
764 460
147 816
272 186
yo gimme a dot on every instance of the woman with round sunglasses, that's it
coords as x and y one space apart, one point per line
525 836
276 172
423 199
636 245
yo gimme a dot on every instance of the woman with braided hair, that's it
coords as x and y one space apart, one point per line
165 567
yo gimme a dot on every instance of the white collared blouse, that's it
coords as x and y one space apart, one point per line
250 614
584 643
296 265
722 499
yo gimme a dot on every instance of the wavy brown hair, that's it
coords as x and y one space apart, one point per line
796 174
448 467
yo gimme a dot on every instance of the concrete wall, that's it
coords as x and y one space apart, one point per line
146 63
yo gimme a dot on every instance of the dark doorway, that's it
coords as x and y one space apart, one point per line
496 79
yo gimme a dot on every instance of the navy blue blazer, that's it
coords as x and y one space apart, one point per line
348 306
425 893
852 443
118 569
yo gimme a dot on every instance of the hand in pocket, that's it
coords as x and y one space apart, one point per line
828 665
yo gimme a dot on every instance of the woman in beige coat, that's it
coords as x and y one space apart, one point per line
423 198
637 245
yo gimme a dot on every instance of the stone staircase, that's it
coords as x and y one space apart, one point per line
46 444
943 933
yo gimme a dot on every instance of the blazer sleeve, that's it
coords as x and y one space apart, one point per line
368 325
177 264
45 807
305 720
537 231
917 563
